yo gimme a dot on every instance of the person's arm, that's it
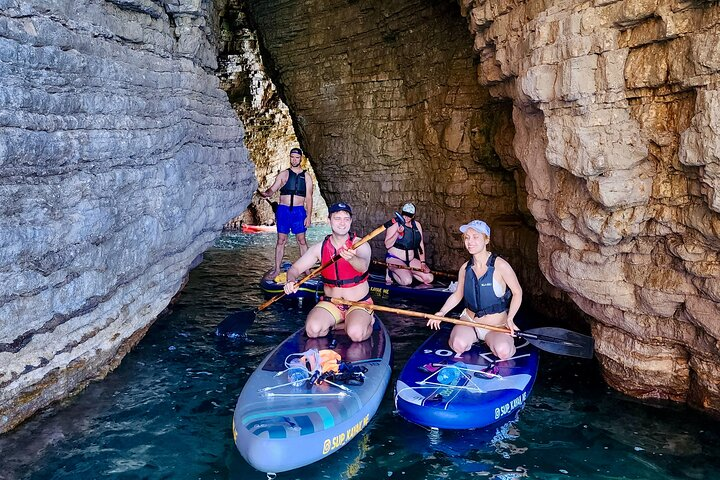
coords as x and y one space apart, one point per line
452 301
359 258
308 199
421 252
277 184
302 264
511 280
391 235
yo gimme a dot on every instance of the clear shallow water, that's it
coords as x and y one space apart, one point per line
166 412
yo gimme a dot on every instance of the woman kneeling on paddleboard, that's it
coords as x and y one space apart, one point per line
491 292
406 246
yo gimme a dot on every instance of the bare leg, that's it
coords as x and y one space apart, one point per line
400 276
319 322
302 243
358 325
425 278
279 253
461 339
501 344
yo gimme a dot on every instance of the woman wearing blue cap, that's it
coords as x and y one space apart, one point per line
492 295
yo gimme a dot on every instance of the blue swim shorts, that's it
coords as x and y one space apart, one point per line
290 220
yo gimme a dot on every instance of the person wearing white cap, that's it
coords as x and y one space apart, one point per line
492 295
405 246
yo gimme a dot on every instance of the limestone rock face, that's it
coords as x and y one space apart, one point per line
586 136
120 160
624 183
384 95
269 130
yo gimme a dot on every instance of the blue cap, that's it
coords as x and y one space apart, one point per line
339 207
296 150
477 225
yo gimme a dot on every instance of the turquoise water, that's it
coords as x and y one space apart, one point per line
166 411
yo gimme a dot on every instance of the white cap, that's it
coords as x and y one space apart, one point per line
478 225
409 208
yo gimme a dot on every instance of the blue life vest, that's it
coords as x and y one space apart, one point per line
295 185
479 295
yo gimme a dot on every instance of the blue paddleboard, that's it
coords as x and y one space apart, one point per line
278 426
485 389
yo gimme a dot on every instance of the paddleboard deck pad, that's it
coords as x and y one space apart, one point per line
486 390
278 426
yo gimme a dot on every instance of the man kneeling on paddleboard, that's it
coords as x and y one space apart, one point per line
346 278
492 295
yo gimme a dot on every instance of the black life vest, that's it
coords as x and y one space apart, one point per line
295 185
409 239
479 295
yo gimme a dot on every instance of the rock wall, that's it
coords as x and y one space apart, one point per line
615 105
384 96
120 160
269 130
586 135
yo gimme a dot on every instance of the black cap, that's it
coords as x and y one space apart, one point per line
339 207
295 150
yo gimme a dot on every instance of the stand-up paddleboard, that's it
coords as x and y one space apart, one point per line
433 294
312 289
481 391
278 426
258 228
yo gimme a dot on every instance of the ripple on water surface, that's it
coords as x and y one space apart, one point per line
166 411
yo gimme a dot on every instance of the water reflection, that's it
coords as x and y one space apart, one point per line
166 411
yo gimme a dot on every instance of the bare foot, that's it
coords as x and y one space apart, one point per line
270 275
388 280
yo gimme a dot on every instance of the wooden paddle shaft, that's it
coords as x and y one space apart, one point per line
334 259
415 269
429 316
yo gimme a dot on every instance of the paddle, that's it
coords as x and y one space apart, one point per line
273 204
551 339
415 269
236 323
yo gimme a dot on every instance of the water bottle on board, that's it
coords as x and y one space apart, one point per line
297 374
450 374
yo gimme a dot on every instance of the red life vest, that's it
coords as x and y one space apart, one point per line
341 273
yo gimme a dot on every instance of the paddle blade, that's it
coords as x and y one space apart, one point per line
560 341
235 324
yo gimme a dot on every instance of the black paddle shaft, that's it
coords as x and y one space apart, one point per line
560 341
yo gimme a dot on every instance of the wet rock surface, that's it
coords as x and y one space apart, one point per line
623 94
584 136
120 160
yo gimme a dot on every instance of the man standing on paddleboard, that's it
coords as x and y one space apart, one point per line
294 210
